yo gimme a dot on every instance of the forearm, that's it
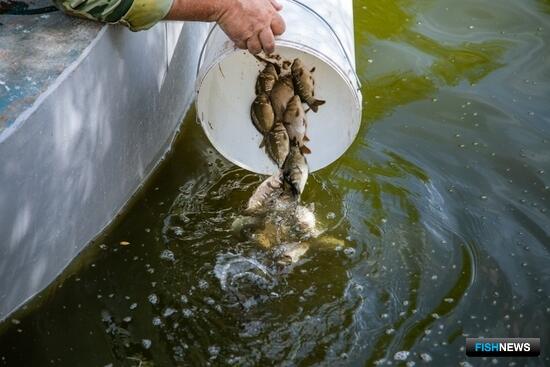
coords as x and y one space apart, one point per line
196 10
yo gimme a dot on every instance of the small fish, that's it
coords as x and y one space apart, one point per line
295 170
282 92
278 143
296 123
305 84
290 253
262 114
266 80
267 190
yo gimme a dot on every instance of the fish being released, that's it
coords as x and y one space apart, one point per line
267 190
266 80
282 92
295 170
290 253
262 114
305 84
296 123
278 144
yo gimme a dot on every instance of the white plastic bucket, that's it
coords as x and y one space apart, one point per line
318 32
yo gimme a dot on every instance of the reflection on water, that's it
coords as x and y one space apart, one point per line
436 222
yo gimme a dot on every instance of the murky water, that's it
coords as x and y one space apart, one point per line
437 220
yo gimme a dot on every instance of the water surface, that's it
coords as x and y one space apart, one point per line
439 211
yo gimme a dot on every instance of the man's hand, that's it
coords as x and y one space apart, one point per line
251 24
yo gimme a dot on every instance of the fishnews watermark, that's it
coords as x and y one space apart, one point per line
502 347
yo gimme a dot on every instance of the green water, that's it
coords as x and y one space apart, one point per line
441 204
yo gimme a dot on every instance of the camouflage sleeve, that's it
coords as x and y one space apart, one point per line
135 14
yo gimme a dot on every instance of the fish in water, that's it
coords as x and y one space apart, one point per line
267 190
305 84
266 80
296 123
262 114
295 170
290 253
277 143
282 92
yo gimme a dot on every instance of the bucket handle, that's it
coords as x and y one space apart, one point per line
309 9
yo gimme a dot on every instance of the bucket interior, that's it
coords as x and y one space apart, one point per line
226 93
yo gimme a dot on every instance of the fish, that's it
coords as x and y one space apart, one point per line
266 80
262 114
295 170
282 92
290 253
268 189
305 84
296 123
278 144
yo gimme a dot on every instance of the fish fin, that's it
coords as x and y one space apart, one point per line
306 138
312 69
306 111
297 113
262 144
315 104
305 150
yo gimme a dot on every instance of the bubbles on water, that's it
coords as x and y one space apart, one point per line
156 321
213 350
425 357
349 251
401 355
153 299
133 306
167 255
188 313
146 343
169 312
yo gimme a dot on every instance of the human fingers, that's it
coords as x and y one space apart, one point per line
241 44
267 40
253 44
278 25
276 5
